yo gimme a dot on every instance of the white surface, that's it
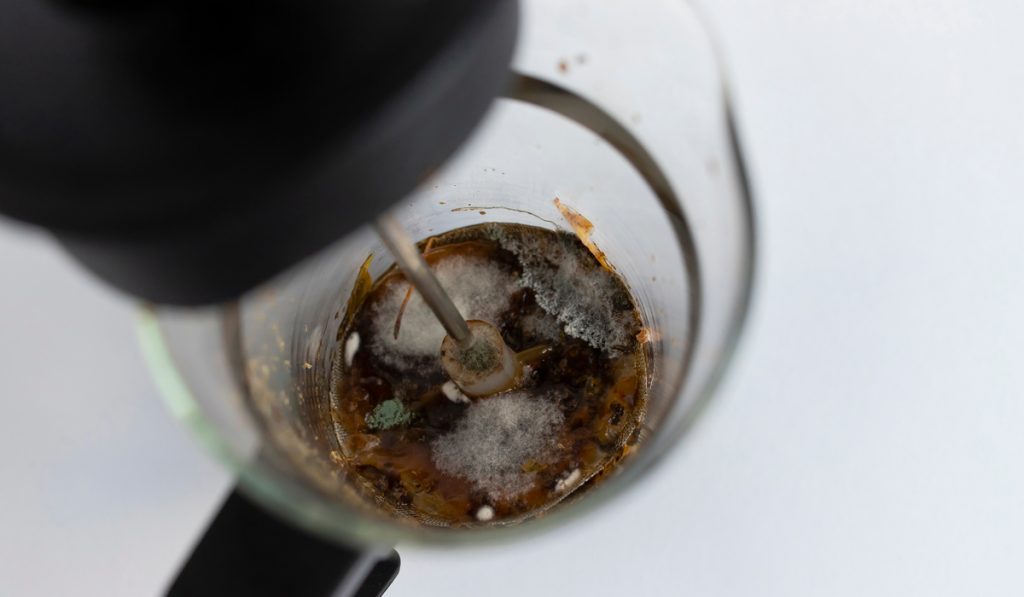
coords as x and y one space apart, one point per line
867 441
101 493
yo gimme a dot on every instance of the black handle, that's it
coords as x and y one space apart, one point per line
248 551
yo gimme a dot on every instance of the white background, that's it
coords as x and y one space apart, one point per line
868 440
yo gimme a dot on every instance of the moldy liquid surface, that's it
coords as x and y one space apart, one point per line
415 446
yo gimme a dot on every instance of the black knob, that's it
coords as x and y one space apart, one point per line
186 151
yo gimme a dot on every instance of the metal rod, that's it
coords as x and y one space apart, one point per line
411 262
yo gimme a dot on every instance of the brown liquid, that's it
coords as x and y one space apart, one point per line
419 448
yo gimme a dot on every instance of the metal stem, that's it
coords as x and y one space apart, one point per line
411 262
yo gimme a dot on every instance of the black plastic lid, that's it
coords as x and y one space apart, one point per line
187 151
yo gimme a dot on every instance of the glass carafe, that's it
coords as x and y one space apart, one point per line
619 111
